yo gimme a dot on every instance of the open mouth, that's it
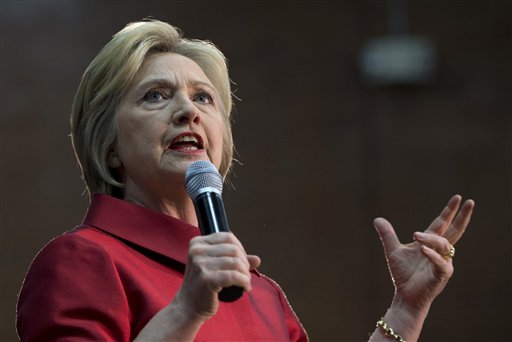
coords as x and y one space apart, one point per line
187 142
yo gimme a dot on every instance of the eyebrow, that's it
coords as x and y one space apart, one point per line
165 82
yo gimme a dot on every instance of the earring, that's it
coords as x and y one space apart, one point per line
113 160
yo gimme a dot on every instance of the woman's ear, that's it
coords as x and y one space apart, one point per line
113 160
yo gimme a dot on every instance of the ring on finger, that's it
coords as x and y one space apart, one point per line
450 254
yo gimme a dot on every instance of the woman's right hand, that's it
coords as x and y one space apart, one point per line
215 261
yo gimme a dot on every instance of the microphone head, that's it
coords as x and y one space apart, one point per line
202 176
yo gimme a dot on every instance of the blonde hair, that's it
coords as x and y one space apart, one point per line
109 76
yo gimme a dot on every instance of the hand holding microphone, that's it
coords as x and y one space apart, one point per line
204 185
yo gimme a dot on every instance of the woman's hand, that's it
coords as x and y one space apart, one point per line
215 261
421 269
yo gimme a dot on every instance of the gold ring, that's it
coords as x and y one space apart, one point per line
450 254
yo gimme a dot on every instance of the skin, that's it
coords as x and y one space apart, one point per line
170 96
418 269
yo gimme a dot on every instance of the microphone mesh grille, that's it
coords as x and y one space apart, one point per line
202 174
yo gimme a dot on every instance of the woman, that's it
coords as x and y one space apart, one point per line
149 105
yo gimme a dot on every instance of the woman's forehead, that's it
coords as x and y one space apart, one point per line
173 67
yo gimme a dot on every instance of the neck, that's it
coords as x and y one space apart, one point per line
179 205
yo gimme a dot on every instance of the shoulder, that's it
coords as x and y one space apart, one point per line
73 246
73 263
72 282
83 242
81 236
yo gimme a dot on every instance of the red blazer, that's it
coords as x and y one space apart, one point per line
104 280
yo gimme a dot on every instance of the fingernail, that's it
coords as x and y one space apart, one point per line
418 236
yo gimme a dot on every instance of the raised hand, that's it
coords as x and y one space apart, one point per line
421 269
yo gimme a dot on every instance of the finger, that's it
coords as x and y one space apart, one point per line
459 225
225 278
219 257
387 235
215 238
226 263
224 272
225 237
443 268
220 240
254 261
232 273
436 242
442 222
221 237
218 250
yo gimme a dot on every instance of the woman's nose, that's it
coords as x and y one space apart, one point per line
185 112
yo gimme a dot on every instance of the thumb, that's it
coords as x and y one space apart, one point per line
254 261
387 235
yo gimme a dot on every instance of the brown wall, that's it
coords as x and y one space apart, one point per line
322 154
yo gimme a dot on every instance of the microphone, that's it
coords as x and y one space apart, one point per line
204 185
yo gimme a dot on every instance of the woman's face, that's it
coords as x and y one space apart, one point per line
169 118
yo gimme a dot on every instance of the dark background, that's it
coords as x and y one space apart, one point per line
322 153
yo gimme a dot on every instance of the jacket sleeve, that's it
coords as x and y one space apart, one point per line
72 292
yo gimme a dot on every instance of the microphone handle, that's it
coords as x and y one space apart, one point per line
213 219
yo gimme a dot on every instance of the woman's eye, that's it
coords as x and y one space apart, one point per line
153 96
203 97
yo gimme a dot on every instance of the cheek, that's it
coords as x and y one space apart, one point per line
220 135
137 134
217 139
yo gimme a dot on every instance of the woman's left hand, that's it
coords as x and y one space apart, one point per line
421 269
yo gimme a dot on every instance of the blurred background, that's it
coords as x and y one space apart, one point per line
349 110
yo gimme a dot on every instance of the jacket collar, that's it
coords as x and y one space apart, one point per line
144 227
